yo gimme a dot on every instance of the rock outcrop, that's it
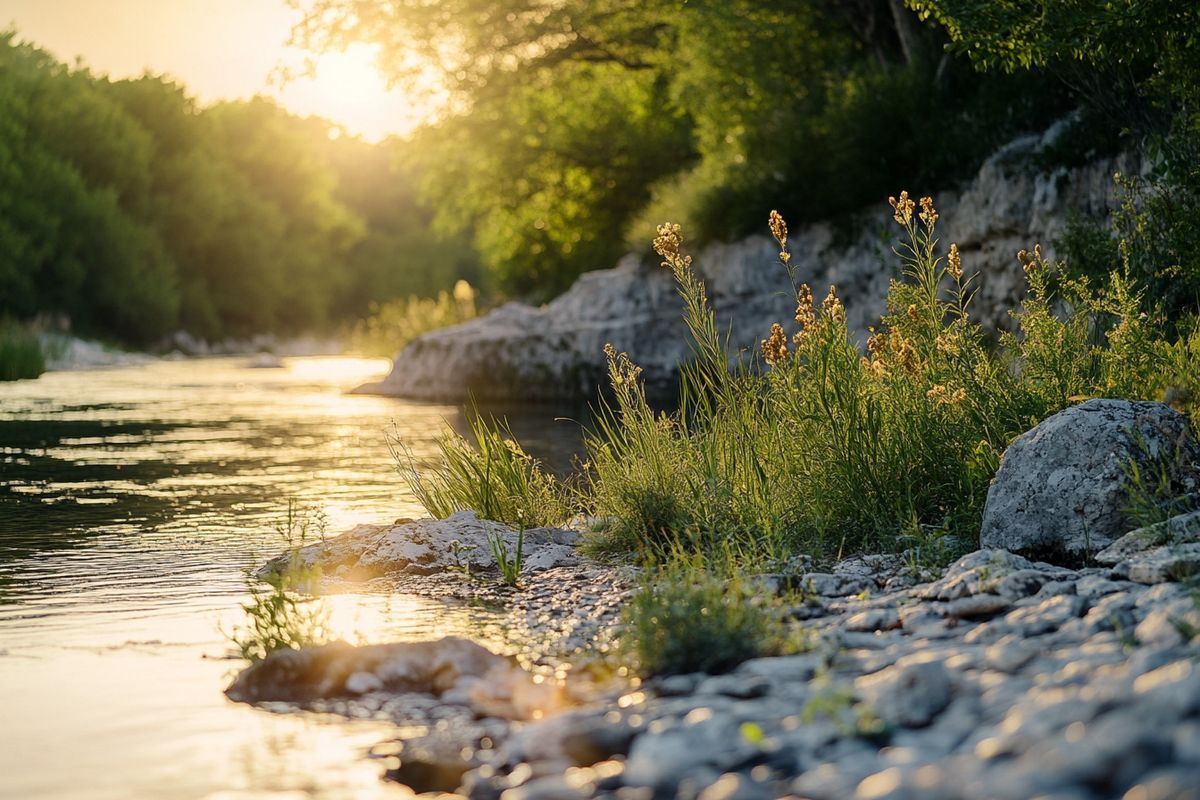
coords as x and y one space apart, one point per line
1061 490
519 352
461 541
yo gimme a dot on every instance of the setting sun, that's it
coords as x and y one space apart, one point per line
347 88
223 50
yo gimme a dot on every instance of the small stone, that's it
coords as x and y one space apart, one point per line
828 585
1163 564
908 694
735 786
979 605
1182 529
874 619
551 787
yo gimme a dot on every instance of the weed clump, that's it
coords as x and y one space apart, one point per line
21 353
285 611
491 475
688 618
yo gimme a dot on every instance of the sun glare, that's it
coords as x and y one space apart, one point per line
346 87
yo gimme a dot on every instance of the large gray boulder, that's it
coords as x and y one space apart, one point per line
556 351
1062 488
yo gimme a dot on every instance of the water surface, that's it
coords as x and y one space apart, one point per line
131 502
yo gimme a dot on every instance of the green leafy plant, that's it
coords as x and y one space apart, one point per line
285 610
687 617
491 475
394 324
510 567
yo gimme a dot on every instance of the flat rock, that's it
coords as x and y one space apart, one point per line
451 667
461 541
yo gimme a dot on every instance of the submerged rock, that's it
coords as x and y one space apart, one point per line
461 541
1061 490
456 670
555 351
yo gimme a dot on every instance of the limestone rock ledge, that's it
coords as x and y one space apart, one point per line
554 352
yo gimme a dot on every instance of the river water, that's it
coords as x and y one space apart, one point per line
132 500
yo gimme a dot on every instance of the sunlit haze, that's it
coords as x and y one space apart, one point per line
219 49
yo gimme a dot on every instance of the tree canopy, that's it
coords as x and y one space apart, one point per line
566 119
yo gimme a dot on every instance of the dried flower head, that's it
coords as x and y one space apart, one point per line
668 244
1030 261
621 369
902 350
954 263
945 396
903 208
774 347
805 315
929 214
779 229
874 367
831 306
948 344
912 312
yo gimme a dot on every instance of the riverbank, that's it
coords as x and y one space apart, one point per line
997 677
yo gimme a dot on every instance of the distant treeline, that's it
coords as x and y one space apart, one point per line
134 213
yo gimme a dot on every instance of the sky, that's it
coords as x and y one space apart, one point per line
218 49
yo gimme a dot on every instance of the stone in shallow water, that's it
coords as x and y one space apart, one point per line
450 668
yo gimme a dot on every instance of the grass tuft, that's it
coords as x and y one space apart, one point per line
821 446
687 618
21 353
491 475
285 610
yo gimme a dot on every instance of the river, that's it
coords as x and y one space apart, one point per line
132 501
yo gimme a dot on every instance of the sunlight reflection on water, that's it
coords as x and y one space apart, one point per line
131 502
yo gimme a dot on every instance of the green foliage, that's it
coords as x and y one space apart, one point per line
286 612
21 353
565 120
832 451
1154 232
510 567
685 618
134 213
1160 491
1151 44
394 324
490 475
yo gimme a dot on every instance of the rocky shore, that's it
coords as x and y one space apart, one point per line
999 677
1003 678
